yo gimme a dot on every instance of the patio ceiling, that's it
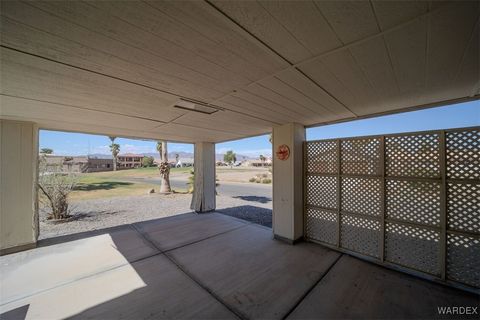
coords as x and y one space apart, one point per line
119 68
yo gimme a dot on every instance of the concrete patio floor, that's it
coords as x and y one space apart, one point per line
207 266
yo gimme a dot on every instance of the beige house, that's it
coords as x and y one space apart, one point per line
129 160
258 163
78 164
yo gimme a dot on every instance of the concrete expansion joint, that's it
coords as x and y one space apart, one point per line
312 287
189 275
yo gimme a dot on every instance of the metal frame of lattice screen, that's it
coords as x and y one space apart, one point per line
407 201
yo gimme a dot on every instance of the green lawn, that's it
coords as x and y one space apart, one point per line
111 184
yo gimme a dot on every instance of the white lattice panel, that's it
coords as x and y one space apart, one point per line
413 155
321 225
408 202
413 201
361 156
360 234
322 157
463 154
322 191
414 247
361 195
464 207
463 259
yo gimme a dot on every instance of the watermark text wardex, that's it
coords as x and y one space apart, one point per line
457 310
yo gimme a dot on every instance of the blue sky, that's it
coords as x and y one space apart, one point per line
447 117
454 116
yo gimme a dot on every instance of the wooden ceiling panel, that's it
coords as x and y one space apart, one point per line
468 75
210 23
168 40
30 40
117 30
106 129
304 85
244 106
253 17
226 121
159 24
31 30
293 98
322 75
374 60
269 93
266 63
268 100
199 134
407 47
305 22
450 32
23 108
345 68
34 78
392 13
351 20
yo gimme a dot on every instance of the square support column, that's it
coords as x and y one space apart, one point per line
288 182
203 199
18 186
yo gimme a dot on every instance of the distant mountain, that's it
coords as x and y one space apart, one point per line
189 155
100 156
171 156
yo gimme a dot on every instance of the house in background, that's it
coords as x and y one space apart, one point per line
267 162
79 164
129 160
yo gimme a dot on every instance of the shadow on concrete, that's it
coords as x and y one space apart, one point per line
92 233
169 293
19 313
106 185
254 199
258 215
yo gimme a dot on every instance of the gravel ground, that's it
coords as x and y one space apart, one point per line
97 214
250 208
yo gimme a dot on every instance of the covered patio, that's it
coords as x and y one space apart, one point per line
205 72
208 267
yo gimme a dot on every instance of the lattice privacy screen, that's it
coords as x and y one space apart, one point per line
411 200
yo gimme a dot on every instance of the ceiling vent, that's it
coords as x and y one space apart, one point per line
196 106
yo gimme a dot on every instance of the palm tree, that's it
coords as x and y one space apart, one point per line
164 167
115 150
262 159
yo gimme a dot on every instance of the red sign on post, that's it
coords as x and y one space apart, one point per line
283 152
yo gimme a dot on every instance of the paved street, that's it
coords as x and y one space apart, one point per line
232 189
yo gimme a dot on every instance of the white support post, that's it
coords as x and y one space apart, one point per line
18 186
288 183
203 199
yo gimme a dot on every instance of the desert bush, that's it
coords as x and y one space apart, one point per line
56 184
261 178
147 162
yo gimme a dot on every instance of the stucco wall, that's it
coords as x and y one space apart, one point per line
18 176
288 182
